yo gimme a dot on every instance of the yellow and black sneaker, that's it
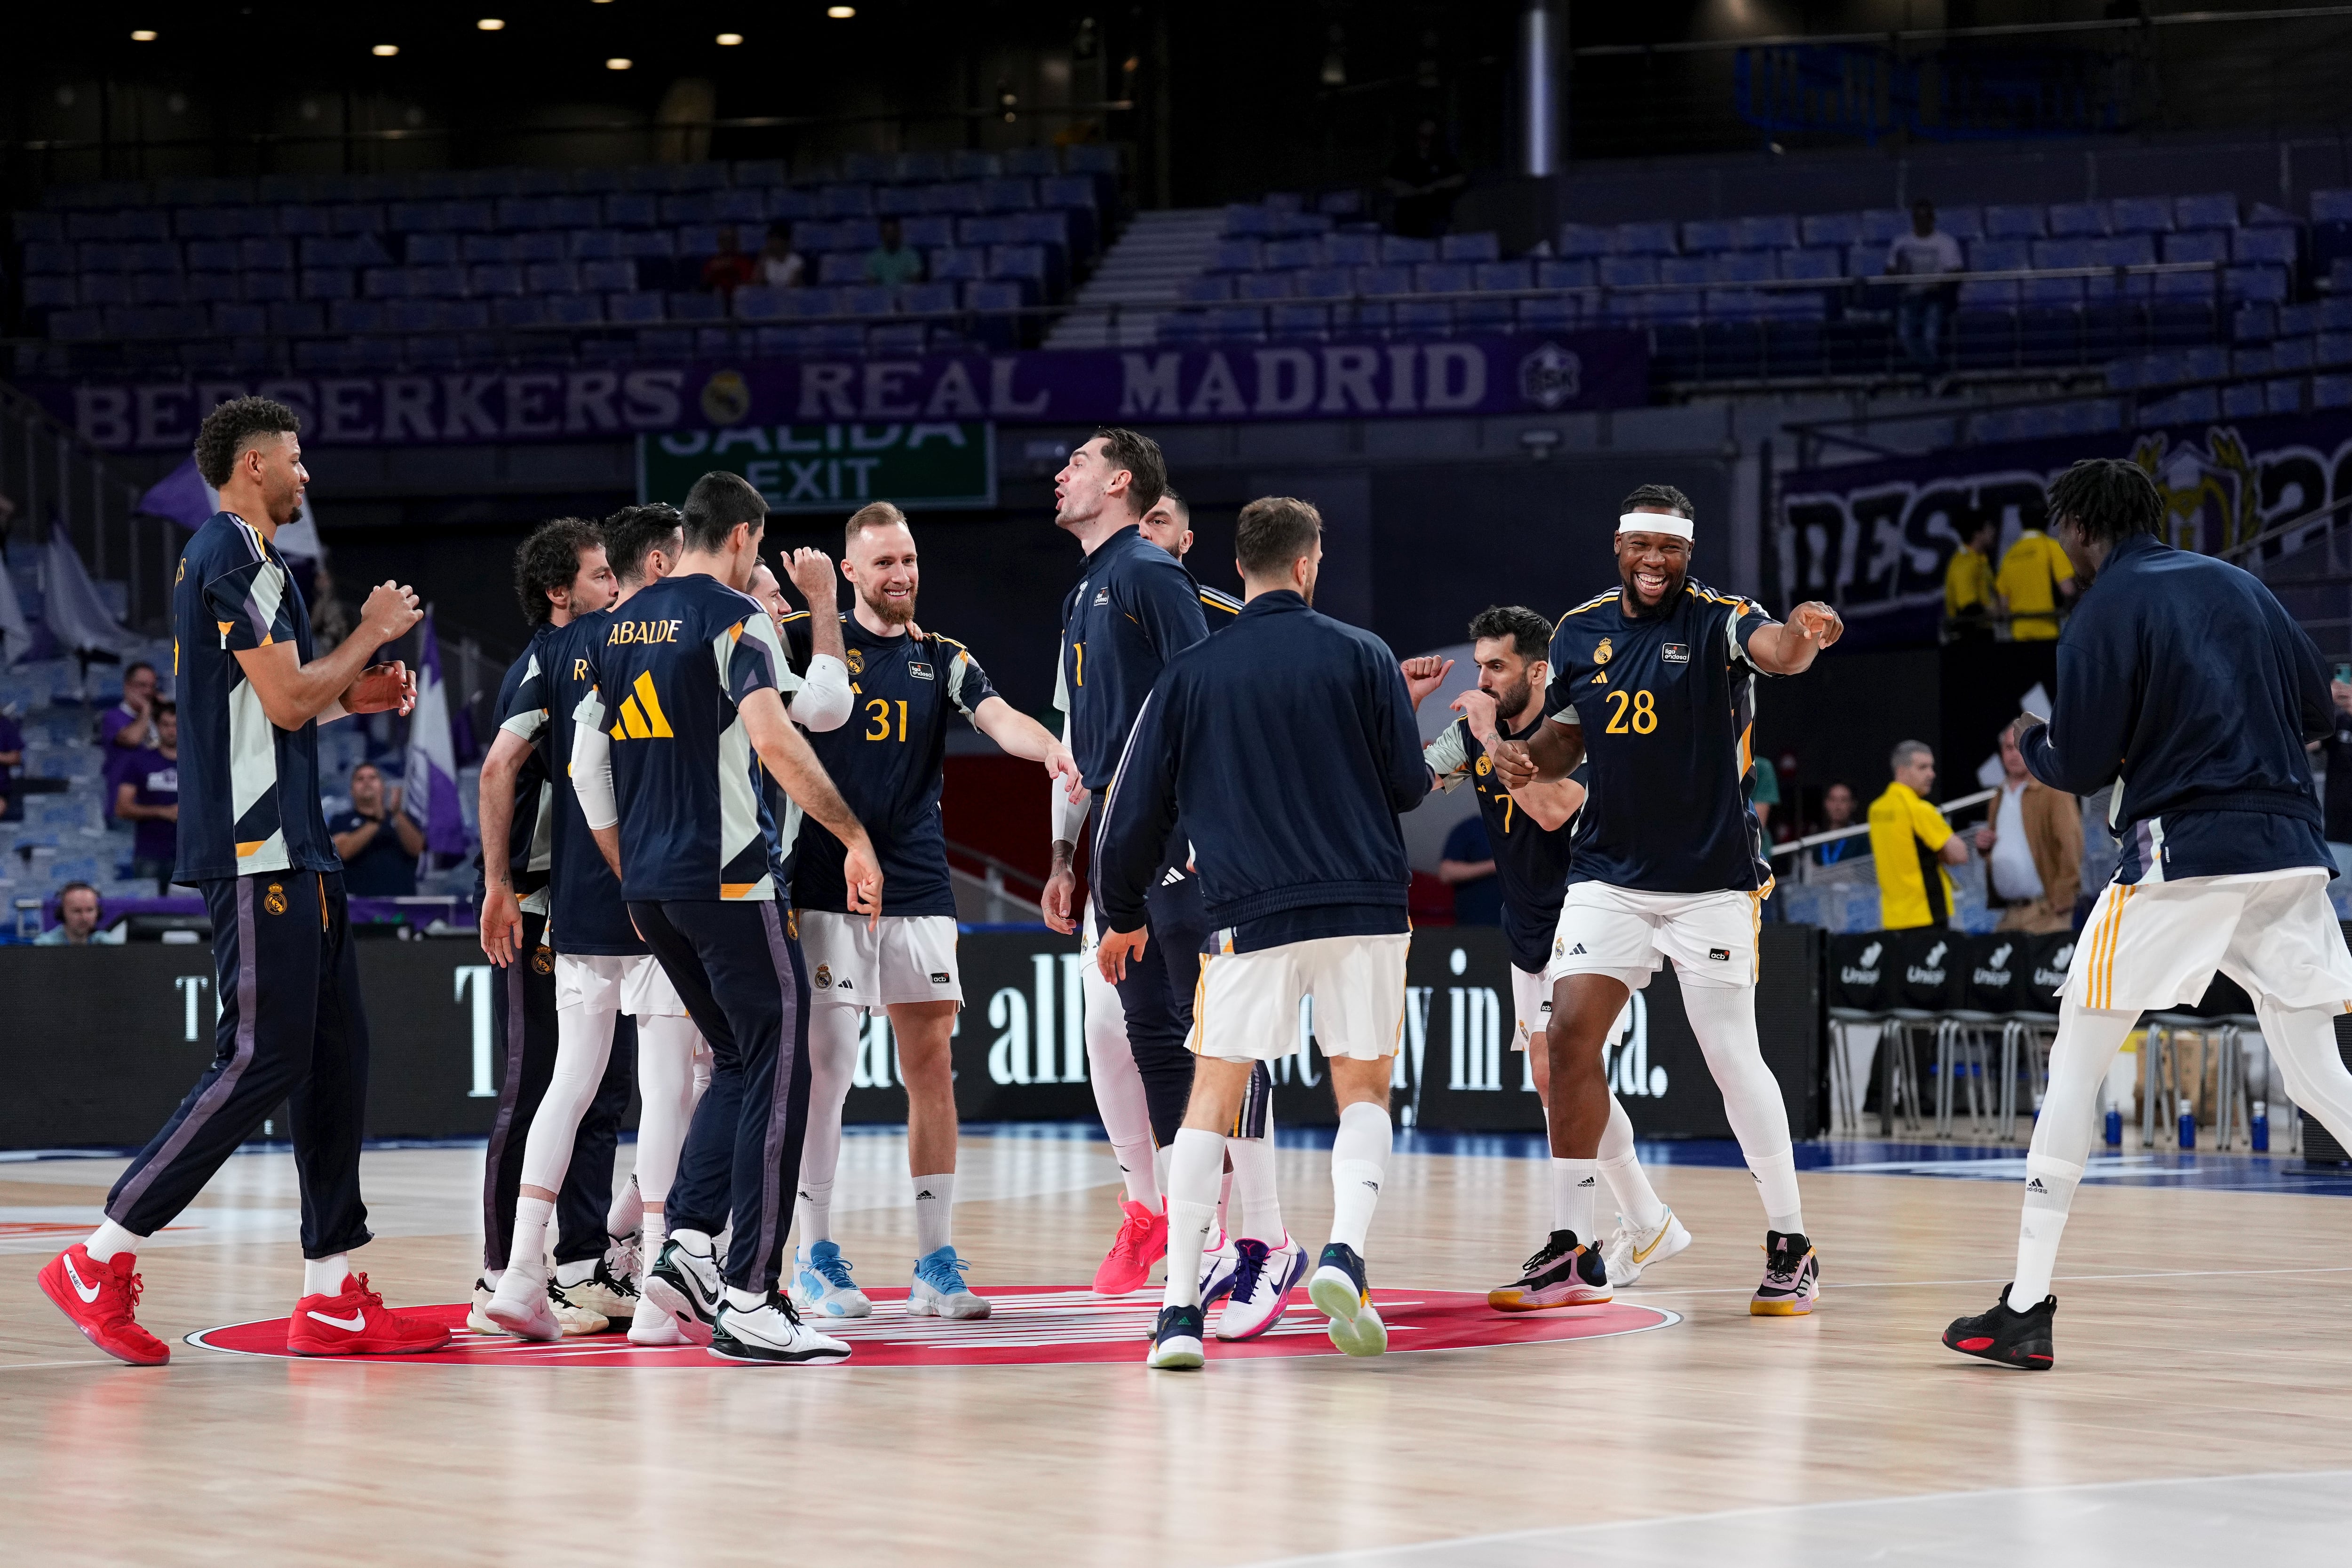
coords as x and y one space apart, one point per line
1564 1272
1792 1277
2006 1335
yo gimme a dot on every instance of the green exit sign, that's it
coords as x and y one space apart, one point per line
829 468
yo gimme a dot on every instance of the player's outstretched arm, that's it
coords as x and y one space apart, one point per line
293 693
1423 676
1550 803
501 915
1018 734
1790 647
1059 903
1551 753
787 755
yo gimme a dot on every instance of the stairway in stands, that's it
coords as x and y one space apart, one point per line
1121 304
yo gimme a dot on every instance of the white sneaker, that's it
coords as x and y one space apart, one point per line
771 1332
1217 1262
524 1305
610 1292
685 1284
938 1291
654 1328
822 1287
1631 1249
479 1318
1260 1286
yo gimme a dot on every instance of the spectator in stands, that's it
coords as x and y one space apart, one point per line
77 917
377 841
1837 811
1926 251
2334 749
1968 583
149 798
730 269
1912 844
1766 794
894 262
331 618
781 266
128 727
1425 180
2033 845
1466 864
2035 577
11 757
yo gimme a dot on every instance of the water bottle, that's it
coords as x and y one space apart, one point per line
2115 1127
2187 1123
2258 1127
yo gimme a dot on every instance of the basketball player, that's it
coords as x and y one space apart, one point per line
1652 682
1529 828
691 681
291 1030
2183 681
561 575
1134 608
1288 746
889 766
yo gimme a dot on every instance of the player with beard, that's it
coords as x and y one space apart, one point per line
889 764
1652 682
1532 828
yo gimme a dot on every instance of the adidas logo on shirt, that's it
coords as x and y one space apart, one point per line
1172 878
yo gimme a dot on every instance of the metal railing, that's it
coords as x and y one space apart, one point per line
57 478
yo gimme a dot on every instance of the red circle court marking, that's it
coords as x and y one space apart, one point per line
1033 1325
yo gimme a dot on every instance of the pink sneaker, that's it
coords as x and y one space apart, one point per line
1143 1241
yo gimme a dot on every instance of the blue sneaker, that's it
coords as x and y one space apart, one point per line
822 1287
1176 1341
1338 1290
938 1291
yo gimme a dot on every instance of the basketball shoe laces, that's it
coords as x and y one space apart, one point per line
627 1263
1127 1244
1550 1252
834 1271
1249 1269
945 1275
1782 1269
121 1299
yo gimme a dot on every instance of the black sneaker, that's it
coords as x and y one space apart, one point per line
2010 1337
1564 1273
685 1285
1792 1277
1176 1340
1341 1293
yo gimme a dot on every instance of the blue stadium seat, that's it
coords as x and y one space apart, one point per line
2218 211
105 289
1228 322
356 315
753 303
2057 253
1999 256
76 326
2329 206
929 231
1384 280
1503 275
1405 249
927 299
1444 278
166 288
2271 245
287 318
634 307
575 309
1023 261
1472 247
552 277
868 299
1832 228
1351 249
1234 255
1559 313
1007 195
608 276
2332 349
42 292
1777 231
1582 240
623 209
2206 245
1579 273
525 310
2294 354
1262 286
58 259
1298 320
956 264
2014 222
494 277
841 267
1826 264
472 249
2124 250
1209 288
1628 271
2262 282
1421 318
591 244
1710 233
266 287
1746 266
1030 161
240 321
2245 401
2254 323
1323 283
1641 239
327 283
431 250
201 286
2331 391
1962 223
1880 225
686 306
2140 214
271 255
1687 271
2049 292
1291 253
2077 219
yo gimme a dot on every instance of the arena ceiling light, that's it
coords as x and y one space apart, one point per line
384 51
618 63
143 34
841 13
491 24
728 40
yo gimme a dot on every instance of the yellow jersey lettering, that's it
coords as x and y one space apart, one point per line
643 632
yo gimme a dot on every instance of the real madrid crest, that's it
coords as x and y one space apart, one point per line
823 976
1486 765
542 962
273 899
1601 655
856 659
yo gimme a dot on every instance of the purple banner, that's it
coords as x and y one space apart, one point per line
1549 373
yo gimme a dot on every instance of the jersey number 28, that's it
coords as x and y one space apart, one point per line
1643 717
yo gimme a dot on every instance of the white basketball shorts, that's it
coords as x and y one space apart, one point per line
1246 1007
905 959
2157 944
1531 999
636 985
1629 934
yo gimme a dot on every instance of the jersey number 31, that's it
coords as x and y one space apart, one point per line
878 711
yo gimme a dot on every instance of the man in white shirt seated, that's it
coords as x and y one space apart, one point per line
77 917
1926 251
2033 845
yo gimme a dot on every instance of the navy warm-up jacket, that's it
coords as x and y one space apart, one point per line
2184 677
1287 745
1134 609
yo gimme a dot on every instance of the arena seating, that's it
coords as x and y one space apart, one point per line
364 272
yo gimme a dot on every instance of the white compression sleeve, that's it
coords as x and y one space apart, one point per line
592 775
822 702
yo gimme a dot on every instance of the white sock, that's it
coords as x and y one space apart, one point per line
1723 1018
656 1236
1574 1184
1360 1158
577 1272
1119 1091
1196 1160
2049 1193
1161 1160
528 1249
325 1276
110 1239
490 1278
1261 1198
628 1210
695 1241
1628 1185
1225 1215
816 1212
934 1213
745 1301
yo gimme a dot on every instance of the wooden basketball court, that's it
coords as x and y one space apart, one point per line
2198 1404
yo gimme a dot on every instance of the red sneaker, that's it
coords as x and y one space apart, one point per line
1143 1241
100 1298
357 1322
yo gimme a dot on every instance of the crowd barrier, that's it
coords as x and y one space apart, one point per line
102 1042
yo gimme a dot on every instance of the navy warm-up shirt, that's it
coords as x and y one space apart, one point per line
673 668
1530 862
1666 705
249 789
523 712
2182 677
890 763
585 915
1134 608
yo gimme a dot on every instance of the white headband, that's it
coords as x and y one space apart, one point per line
1655 523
